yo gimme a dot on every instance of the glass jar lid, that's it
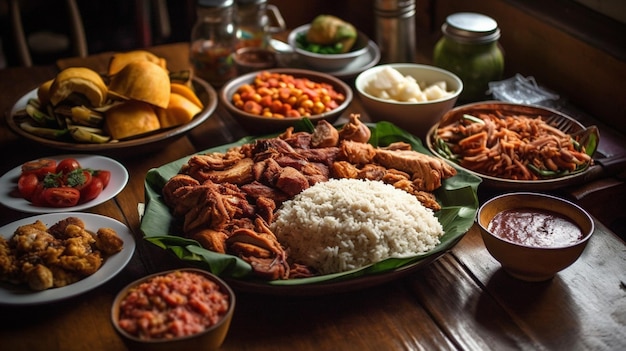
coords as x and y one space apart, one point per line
471 28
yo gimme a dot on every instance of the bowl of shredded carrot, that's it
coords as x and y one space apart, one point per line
515 146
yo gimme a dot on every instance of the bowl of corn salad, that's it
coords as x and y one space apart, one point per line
272 100
182 309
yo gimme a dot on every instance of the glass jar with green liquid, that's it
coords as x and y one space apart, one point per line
469 48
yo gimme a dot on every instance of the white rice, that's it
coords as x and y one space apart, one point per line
343 224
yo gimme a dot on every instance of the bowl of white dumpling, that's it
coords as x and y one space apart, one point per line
412 96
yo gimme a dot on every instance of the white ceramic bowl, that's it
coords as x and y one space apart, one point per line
414 117
327 62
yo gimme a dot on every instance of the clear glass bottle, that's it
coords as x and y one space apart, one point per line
469 48
253 23
213 40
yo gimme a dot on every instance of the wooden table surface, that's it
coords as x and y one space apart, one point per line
461 301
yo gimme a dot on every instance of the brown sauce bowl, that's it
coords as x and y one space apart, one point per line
533 263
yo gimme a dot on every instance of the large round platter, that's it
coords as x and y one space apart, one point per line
146 143
119 178
457 196
559 120
12 295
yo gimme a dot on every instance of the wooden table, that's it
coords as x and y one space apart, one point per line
461 301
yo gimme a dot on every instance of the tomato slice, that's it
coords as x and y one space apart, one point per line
26 185
61 197
104 175
67 165
91 191
37 197
39 167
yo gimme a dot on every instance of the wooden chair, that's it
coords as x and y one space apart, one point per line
77 40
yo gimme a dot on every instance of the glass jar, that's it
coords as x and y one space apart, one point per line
213 40
469 48
253 23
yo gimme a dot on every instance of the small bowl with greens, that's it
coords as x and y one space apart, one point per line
329 57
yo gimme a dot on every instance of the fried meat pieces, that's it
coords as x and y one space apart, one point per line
62 254
226 201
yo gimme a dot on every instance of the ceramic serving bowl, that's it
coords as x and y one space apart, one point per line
258 124
210 338
589 137
327 62
414 117
540 255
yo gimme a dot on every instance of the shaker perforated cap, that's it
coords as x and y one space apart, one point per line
215 3
471 28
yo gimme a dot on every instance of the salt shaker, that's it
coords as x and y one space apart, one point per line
395 30
213 40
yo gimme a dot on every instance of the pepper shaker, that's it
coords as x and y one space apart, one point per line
395 30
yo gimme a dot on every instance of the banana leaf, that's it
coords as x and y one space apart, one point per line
457 196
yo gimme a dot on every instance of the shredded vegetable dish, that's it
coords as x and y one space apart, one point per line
513 147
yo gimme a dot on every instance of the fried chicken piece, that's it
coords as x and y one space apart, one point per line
323 155
210 239
8 262
63 277
177 181
324 135
39 278
344 169
427 199
265 208
261 249
82 265
426 171
108 242
291 181
32 238
398 145
239 173
357 153
58 230
257 190
372 172
355 130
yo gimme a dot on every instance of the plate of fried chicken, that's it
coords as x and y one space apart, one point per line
56 256
248 180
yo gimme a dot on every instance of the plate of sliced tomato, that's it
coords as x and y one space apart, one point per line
62 183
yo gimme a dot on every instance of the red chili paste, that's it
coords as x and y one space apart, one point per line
533 227
172 305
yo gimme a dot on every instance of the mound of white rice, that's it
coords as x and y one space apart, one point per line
344 224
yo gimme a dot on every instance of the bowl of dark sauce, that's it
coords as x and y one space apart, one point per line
534 236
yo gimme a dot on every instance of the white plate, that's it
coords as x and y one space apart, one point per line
369 60
119 178
110 268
